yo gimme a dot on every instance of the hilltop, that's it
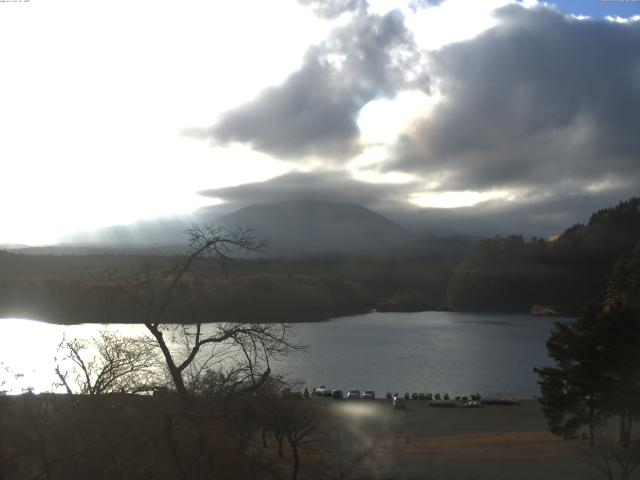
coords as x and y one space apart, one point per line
310 227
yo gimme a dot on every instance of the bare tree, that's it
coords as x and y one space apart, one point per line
269 410
298 421
243 351
107 363
171 303
612 460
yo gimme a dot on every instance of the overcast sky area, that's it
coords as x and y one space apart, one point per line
499 115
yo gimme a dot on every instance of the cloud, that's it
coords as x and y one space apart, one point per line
530 214
542 106
332 186
333 8
314 112
420 4
538 100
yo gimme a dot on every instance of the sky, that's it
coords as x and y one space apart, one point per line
499 115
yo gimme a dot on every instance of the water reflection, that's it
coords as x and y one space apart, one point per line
28 351
405 352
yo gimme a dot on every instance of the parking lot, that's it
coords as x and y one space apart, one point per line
490 442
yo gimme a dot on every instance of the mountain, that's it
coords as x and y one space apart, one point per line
12 246
304 228
313 228
293 229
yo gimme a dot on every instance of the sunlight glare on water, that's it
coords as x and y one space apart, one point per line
28 351
458 353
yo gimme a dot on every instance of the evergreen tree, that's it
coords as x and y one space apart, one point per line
618 280
574 392
623 289
633 267
597 372
622 351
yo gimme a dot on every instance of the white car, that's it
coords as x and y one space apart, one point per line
322 391
353 395
369 395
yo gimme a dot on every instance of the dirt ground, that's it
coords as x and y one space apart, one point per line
492 442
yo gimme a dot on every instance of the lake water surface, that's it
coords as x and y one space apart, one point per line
458 353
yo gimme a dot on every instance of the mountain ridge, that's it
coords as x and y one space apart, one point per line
310 227
293 228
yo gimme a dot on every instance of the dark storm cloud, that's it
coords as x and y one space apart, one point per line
314 112
543 105
538 100
315 186
530 214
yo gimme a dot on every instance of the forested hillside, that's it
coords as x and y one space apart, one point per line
65 288
511 273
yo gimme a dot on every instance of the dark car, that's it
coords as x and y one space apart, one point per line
337 395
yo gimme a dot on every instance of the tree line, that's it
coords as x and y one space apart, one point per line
62 289
513 274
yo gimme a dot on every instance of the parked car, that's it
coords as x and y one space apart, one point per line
369 395
353 395
337 395
321 391
399 403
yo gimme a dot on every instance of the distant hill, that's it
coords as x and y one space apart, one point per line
300 228
12 246
509 273
294 229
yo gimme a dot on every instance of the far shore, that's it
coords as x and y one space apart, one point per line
315 320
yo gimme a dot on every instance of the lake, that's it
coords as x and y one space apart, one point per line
458 353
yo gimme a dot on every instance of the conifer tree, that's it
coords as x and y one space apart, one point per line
597 372
574 392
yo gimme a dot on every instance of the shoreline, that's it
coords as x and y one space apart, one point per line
301 322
